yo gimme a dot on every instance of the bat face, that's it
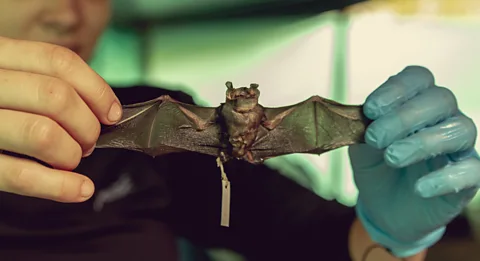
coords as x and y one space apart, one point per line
242 99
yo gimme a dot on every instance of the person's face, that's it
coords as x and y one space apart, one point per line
75 24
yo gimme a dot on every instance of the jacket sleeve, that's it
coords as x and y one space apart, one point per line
272 217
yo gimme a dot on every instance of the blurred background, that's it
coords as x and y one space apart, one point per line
294 49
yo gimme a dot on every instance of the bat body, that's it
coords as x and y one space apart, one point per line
240 128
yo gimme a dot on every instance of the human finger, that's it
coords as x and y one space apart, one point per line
38 137
60 62
452 178
453 135
53 98
364 161
397 90
430 107
28 178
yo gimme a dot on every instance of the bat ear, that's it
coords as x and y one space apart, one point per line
229 85
254 85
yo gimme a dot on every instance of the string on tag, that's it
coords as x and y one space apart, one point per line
225 211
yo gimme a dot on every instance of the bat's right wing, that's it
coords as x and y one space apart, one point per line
163 126
314 126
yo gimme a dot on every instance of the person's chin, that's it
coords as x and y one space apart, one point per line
84 54
76 48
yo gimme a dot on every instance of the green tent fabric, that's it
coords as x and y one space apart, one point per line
175 11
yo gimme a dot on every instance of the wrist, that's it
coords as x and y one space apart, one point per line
363 248
396 247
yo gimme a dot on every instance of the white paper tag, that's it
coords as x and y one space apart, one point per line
225 211
225 218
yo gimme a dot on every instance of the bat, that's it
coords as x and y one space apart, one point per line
240 128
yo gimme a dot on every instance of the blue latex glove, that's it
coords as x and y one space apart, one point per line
418 169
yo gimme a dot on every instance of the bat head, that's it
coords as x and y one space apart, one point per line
243 98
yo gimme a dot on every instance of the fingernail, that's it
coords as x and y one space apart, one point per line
89 152
371 110
115 112
86 190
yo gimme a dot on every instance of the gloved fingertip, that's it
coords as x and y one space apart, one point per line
371 109
425 189
375 137
402 153
371 138
393 159
435 185
418 76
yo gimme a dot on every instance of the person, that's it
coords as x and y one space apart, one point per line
63 200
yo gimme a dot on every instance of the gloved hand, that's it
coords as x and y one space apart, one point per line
418 169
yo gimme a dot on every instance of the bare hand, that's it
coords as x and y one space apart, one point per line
51 107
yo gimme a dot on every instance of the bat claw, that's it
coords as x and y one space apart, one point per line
188 126
249 157
268 125
200 124
273 123
223 157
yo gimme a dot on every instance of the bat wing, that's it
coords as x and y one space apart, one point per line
314 126
162 126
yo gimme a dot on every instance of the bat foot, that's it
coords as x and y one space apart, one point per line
250 156
223 157
236 140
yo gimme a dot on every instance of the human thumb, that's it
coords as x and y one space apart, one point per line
370 172
364 157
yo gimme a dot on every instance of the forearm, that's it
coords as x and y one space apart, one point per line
361 244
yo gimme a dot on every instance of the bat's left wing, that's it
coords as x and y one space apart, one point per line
162 126
314 126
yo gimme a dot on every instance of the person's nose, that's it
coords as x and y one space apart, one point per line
62 16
